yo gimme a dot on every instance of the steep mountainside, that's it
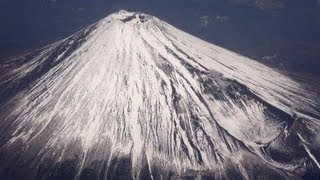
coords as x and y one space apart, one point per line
133 97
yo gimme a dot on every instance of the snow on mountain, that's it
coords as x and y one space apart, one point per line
133 97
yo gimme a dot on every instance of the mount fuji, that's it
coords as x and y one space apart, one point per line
132 97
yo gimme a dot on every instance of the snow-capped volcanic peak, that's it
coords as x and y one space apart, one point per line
129 17
131 96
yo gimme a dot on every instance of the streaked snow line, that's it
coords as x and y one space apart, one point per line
137 88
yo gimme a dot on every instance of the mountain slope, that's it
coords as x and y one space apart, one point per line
133 97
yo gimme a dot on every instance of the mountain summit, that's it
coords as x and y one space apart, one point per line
132 97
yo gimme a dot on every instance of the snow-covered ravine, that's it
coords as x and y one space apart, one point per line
133 97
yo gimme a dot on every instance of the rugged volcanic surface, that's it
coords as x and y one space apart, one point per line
132 97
